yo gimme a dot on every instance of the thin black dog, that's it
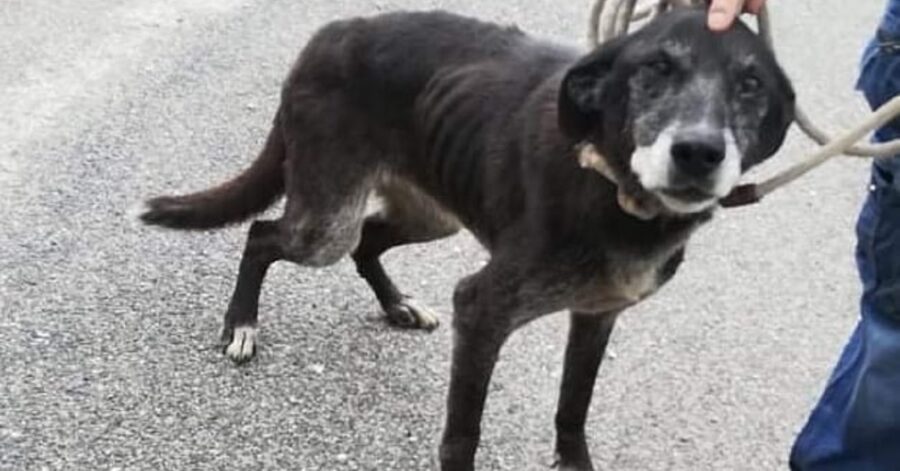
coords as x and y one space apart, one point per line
404 127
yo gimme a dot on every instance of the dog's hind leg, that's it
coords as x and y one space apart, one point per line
377 237
307 237
262 249
407 217
588 337
314 231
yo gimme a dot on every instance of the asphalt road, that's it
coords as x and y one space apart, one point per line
108 330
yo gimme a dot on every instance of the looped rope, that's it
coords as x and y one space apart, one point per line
604 26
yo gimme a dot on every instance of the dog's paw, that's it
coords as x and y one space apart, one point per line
240 343
410 314
572 453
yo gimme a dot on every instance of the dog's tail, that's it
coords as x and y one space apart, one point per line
247 194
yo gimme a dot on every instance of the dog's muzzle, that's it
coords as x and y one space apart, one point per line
688 168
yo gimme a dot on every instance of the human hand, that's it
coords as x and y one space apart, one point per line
722 13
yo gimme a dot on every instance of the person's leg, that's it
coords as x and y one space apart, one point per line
856 424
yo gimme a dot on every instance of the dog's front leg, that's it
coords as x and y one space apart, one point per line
588 337
484 316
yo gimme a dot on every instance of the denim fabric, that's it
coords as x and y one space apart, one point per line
891 22
856 424
880 77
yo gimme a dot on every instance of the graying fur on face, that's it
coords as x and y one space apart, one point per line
671 97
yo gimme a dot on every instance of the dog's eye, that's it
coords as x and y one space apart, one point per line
749 86
661 66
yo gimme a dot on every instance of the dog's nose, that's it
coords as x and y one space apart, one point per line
698 156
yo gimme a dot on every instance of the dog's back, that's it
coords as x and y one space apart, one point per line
385 62
446 93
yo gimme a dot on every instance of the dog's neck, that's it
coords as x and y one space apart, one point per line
636 202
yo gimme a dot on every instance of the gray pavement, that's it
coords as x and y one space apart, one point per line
108 330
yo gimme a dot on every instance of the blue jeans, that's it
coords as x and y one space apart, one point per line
856 424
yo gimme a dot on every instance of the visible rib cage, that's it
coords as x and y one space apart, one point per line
453 130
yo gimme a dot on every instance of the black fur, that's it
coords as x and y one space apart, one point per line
455 122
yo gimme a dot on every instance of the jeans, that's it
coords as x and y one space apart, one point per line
856 424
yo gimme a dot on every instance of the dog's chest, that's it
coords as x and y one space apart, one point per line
626 282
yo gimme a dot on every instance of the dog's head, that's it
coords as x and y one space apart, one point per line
683 110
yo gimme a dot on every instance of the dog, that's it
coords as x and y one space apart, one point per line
406 127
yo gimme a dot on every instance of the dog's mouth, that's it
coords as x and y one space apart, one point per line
688 195
686 200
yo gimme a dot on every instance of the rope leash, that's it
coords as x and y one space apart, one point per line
605 25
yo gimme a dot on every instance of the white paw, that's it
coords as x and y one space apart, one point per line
243 344
425 317
412 315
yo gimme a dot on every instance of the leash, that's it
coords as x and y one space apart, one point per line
612 18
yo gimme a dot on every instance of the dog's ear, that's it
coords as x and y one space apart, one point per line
581 93
779 116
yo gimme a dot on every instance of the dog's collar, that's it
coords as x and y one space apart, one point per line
634 201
